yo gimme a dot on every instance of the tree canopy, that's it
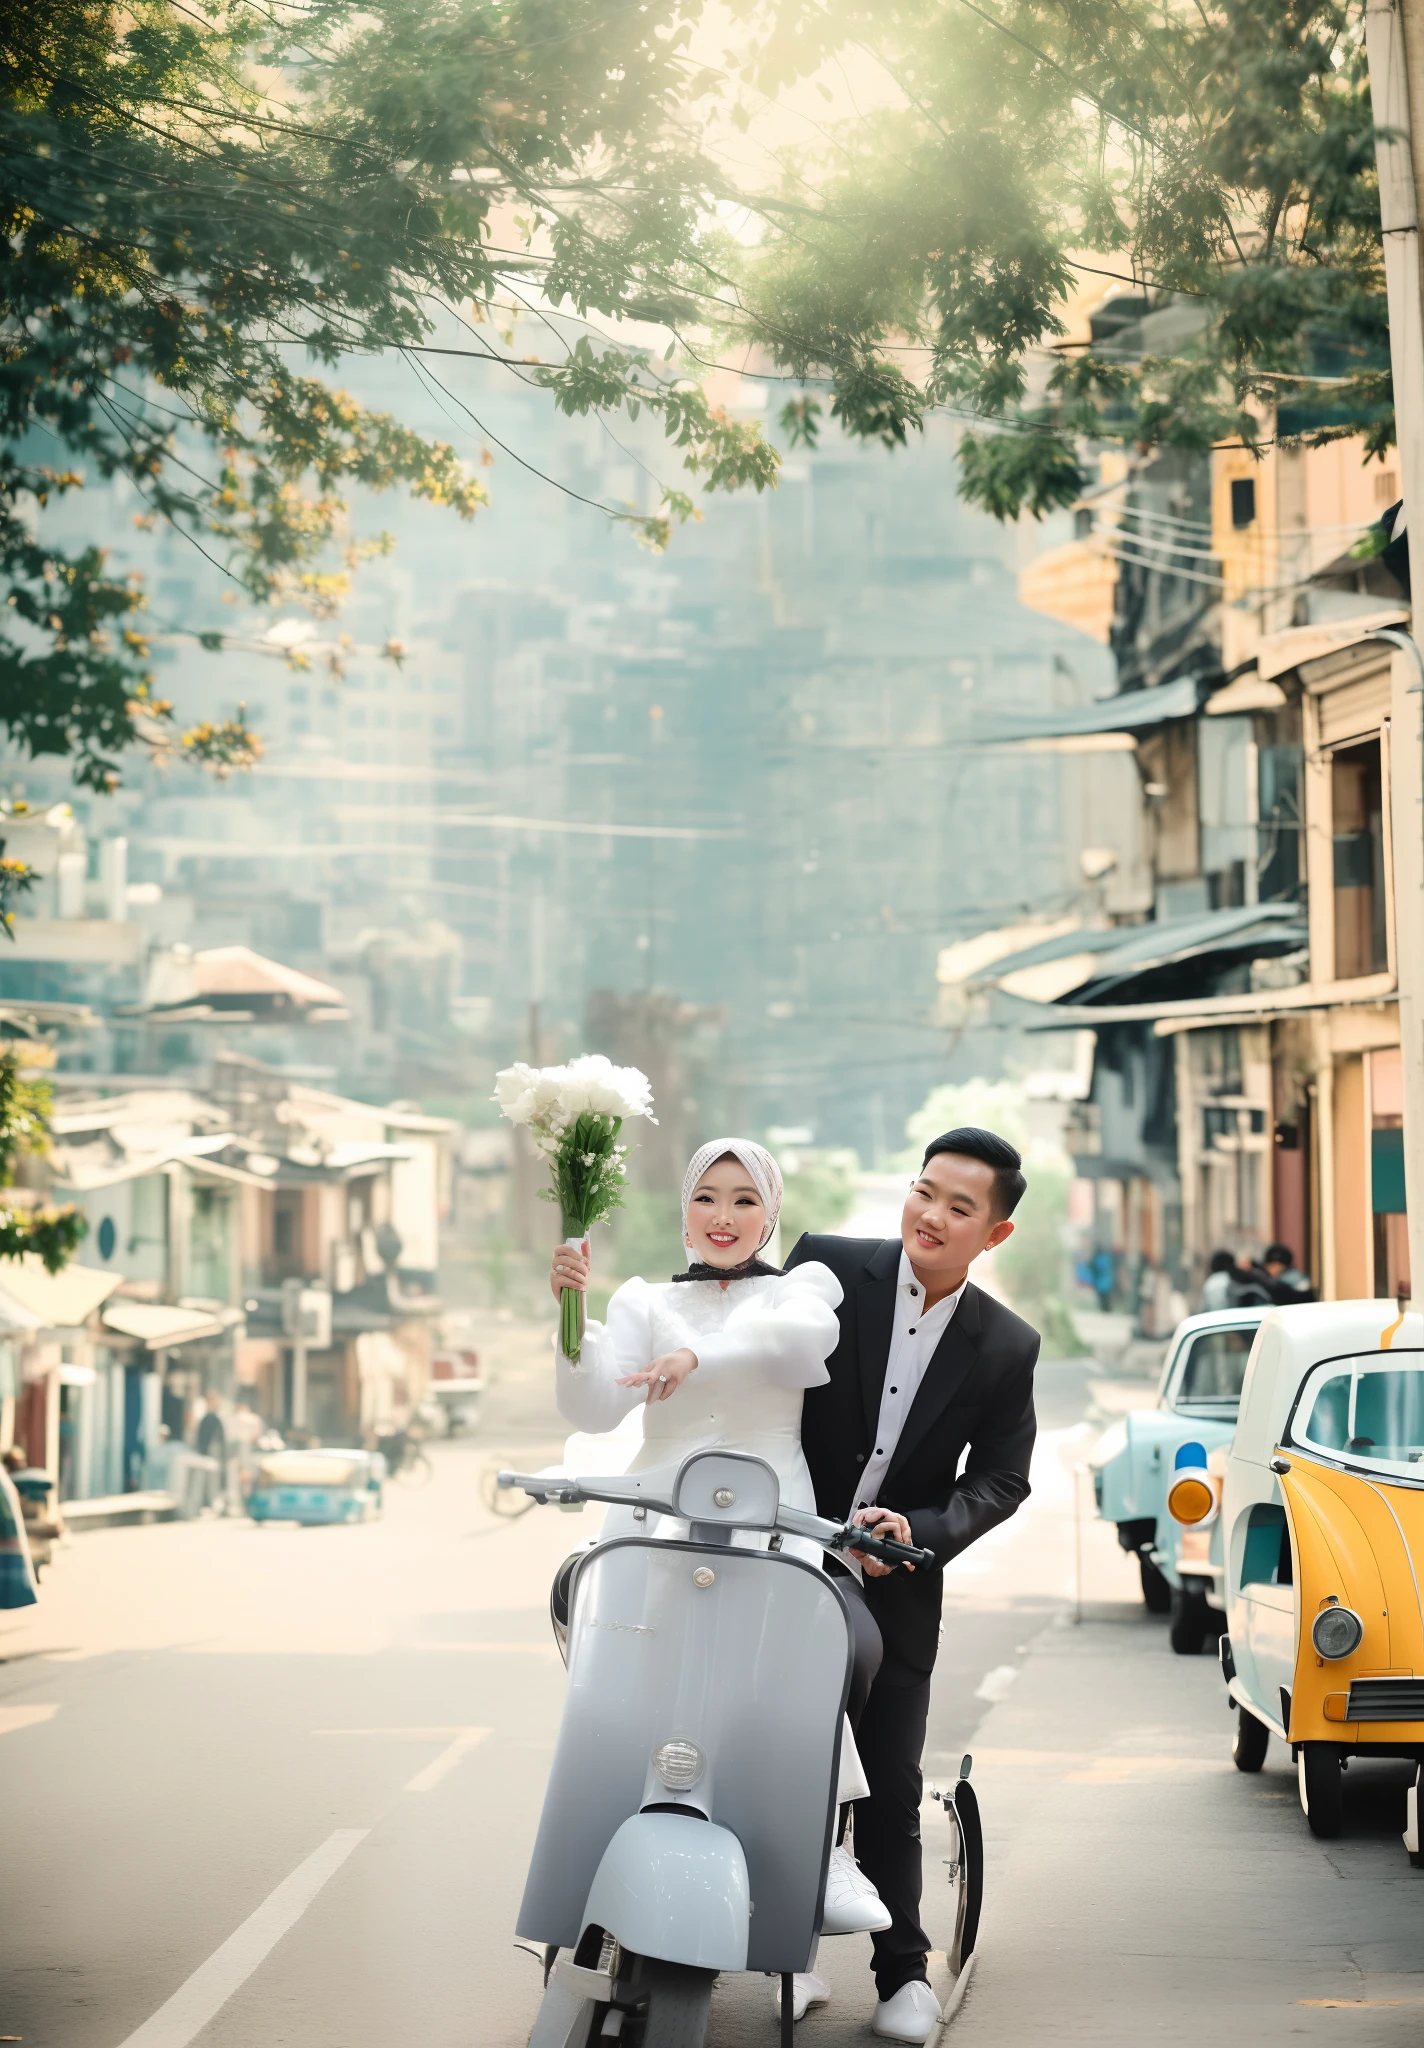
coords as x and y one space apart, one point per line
208 204
27 1224
1216 156
205 203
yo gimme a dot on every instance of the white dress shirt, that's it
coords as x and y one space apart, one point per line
913 1343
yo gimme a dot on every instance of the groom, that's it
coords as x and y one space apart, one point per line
927 1368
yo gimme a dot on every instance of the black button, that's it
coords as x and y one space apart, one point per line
878 1452
894 1390
912 1329
860 1457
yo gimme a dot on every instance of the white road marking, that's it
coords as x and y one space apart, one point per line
12 1718
429 1778
995 1684
462 1741
213 1983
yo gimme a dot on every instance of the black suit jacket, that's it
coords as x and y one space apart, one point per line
977 1394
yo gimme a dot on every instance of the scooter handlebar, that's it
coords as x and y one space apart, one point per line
868 1544
626 1492
555 1486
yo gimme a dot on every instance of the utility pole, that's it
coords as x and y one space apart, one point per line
1394 31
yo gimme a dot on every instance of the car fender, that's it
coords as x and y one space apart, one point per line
674 1886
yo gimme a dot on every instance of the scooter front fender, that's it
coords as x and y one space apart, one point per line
674 1886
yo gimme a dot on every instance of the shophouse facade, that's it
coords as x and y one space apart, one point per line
1245 1079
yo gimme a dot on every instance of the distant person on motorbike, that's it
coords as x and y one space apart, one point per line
737 1342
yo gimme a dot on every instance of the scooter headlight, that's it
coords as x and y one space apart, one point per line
679 1765
1337 1632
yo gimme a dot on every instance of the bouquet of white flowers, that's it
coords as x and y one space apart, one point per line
574 1114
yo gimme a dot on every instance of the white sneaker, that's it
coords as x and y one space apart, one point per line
913 2014
853 1905
807 1989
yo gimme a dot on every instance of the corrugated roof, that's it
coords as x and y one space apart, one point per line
1117 949
1129 711
238 971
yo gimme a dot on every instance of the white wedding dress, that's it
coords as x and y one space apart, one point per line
760 1343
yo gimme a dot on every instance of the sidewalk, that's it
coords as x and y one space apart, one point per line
1140 1888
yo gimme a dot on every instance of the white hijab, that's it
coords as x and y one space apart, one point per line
762 1169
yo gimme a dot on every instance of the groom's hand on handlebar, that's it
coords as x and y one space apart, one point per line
570 1268
885 1522
665 1375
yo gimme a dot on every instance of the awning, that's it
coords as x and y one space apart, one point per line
1277 653
1112 956
1249 692
1129 712
33 1299
159 1327
1206 1013
968 960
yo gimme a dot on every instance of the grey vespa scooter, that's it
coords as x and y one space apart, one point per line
690 1810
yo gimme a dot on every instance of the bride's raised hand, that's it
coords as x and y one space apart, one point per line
569 1269
664 1376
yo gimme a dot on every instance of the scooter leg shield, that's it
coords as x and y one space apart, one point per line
674 1887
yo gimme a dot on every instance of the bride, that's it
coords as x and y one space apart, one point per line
721 1355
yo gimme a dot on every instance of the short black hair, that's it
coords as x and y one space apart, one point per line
1222 1262
972 1143
1278 1255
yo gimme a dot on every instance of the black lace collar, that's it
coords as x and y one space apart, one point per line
750 1269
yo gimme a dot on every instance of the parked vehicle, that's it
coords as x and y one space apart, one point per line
1134 1464
1323 1534
457 1382
696 1766
315 1486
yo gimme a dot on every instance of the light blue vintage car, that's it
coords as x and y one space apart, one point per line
1135 1462
316 1486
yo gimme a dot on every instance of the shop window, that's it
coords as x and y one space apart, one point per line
1278 809
1216 1059
209 1244
287 1236
1357 812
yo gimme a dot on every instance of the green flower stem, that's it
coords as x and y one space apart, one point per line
571 1302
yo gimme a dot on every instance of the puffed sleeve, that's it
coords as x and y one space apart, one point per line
588 1393
789 1329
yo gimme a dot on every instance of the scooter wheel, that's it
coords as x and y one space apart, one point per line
673 2003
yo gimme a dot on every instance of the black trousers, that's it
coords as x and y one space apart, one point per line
891 1741
889 1713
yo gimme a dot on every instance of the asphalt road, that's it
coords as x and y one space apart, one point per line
271 1785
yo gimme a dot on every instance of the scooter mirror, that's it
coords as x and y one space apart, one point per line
728 1487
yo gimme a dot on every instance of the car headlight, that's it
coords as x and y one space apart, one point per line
679 1765
1337 1632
